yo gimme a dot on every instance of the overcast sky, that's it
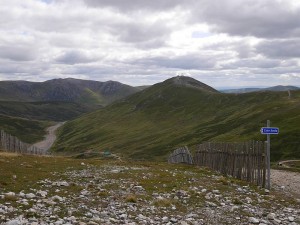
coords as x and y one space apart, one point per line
224 43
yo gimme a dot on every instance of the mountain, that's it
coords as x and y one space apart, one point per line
182 111
281 88
53 100
275 88
65 90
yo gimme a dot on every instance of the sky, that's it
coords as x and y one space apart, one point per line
228 43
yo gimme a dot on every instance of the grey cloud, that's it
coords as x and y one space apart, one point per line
154 5
74 57
280 48
18 53
187 62
144 35
266 19
253 63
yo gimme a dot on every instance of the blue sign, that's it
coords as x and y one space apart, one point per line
269 130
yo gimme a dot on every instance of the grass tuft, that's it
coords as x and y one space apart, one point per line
131 198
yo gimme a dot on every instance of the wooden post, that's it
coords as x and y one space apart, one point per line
268 158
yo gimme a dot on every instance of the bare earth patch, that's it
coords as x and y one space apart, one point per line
49 138
287 181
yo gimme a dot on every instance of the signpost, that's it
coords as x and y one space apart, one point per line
268 131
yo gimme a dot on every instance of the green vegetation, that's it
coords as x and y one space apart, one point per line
54 111
150 124
293 166
29 131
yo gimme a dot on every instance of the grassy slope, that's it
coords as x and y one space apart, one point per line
55 111
149 124
29 131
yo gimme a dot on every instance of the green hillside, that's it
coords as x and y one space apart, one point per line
151 123
29 131
65 90
54 111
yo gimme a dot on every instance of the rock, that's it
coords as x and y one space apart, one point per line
123 216
13 222
183 223
42 193
10 195
291 218
271 216
61 184
84 192
210 204
233 208
57 198
92 223
253 220
173 220
216 191
277 221
138 188
30 195
165 219
249 200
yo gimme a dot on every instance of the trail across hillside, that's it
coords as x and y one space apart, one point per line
49 138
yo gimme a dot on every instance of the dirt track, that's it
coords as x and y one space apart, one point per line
49 138
286 181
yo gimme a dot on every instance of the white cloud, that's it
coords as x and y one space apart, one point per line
227 42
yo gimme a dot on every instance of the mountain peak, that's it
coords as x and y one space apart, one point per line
190 82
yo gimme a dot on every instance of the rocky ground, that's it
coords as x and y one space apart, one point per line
97 192
286 181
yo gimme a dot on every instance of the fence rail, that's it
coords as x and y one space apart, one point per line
244 161
11 143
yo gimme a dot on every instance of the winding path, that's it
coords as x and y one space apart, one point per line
49 138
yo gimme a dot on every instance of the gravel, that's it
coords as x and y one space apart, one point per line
119 195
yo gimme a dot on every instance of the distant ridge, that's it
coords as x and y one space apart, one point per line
66 90
275 88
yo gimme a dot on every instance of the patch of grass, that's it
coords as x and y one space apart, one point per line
163 202
131 198
237 201
224 181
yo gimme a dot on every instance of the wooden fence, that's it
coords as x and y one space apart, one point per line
181 155
245 161
10 143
